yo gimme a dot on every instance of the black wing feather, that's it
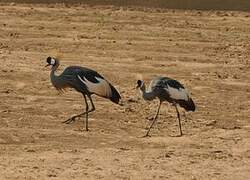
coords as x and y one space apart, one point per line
89 74
172 83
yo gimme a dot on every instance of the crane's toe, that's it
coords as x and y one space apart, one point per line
70 120
178 135
146 135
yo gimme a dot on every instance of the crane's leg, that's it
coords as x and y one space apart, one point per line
154 120
72 119
92 104
179 119
88 111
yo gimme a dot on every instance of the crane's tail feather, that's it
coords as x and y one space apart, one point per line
187 105
115 96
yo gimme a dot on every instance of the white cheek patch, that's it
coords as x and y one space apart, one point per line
52 61
178 94
101 88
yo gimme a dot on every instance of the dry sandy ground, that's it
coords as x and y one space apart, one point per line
207 51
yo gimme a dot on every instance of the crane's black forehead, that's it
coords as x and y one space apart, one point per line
139 82
49 59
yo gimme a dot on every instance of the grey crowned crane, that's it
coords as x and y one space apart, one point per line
85 81
166 89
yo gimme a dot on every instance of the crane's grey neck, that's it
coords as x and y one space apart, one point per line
56 65
53 70
56 79
147 95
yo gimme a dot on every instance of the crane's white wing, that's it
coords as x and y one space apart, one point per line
178 94
101 88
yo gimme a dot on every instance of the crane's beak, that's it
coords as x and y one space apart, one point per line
47 65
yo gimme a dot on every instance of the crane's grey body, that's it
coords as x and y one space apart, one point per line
167 89
85 81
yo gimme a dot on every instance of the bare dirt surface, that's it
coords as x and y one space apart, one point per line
207 51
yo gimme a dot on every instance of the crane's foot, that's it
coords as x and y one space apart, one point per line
179 135
73 118
80 129
70 120
146 135
175 136
83 130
